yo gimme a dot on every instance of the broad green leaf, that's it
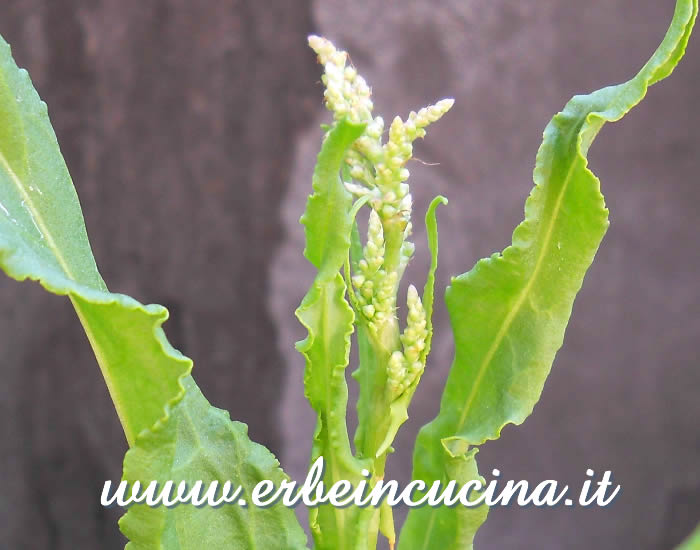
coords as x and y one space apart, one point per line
692 542
43 238
328 318
200 443
463 522
509 313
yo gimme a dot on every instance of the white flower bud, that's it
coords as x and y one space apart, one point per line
396 373
355 189
388 211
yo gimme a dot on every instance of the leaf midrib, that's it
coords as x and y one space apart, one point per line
508 321
38 218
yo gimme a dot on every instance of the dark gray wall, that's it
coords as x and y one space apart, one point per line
181 123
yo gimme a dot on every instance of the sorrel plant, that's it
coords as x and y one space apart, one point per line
508 315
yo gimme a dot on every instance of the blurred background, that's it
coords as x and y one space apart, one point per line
191 129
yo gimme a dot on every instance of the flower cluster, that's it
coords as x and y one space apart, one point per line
376 289
387 179
347 93
378 170
405 367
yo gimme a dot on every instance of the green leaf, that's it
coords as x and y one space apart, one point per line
429 289
510 312
326 315
324 311
43 238
200 443
142 370
326 220
692 542
328 318
463 522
